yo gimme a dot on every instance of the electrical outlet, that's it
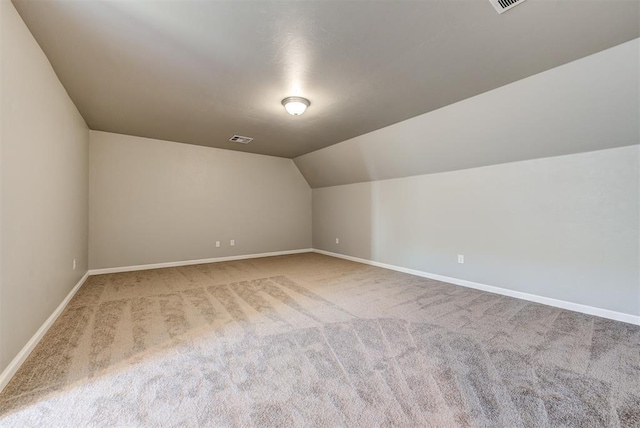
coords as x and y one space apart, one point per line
337 240
233 242
217 244
460 258
74 264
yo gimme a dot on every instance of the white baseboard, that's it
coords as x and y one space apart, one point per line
13 367
576 307
195 262
15 364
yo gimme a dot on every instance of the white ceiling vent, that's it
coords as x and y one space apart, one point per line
240 139
504 5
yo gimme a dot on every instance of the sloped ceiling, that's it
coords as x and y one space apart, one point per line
590 104
198 72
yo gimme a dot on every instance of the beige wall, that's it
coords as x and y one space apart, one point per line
565 227
155 201
44 193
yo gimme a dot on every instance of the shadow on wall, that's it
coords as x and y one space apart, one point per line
344 217
360 215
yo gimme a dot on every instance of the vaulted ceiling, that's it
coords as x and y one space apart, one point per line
198 72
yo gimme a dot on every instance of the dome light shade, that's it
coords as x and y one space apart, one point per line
295 106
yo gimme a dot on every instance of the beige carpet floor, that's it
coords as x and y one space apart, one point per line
310 340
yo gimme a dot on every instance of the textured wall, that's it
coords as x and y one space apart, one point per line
45 173
563 227
155 201
589 104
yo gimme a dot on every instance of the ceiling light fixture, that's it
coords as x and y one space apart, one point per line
295 106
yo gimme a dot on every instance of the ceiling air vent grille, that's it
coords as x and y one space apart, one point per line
504 5
240 139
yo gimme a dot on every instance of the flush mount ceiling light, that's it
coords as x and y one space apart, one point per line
295 106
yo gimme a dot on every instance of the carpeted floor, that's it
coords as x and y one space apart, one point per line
310 340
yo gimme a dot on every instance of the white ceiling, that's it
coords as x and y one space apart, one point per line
198 72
